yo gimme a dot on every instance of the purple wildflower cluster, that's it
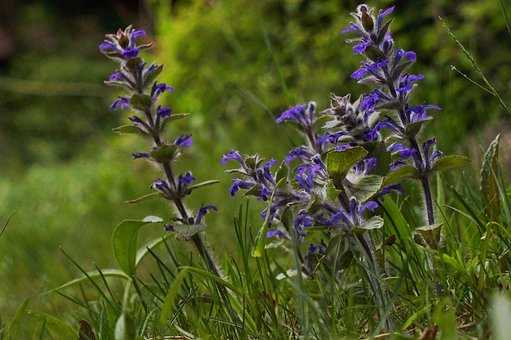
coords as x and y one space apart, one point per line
150 119
385 68
354 152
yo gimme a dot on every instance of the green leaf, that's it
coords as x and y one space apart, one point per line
363 187
489 185
450 162
106 273
203 184
400 174
164 153
124 242
56 326
177 116
141 102
128 129
125 328
13 326
338 163
185 232
143 251
375 222
143 198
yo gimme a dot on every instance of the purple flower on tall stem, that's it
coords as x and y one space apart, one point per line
142 96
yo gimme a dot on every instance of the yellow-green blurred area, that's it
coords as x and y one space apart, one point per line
235 64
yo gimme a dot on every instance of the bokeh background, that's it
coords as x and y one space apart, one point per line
235 64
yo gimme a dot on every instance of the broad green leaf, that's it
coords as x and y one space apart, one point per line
338 163
489 185
141 102
57 327
127 129
450 162
125 328
143 251
375 222
185 232
400 174
363 187
124 242
143 198
165 153
203 184
93 274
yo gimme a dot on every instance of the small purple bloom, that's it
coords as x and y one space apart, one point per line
203 211
159 88
130 53
296 113
139 33
120 103
163 112
107 46
184 141
300 152
232 155
185 179
116 76
238 184
276 233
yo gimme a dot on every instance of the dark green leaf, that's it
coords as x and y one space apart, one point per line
141 102
400 174
125 328
128 129
164 153
450 162
338 163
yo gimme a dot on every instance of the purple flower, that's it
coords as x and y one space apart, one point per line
163 112
116 76
159 88
203 211
232 155
120 103
184 141
185 179
238 184
276 233
295 113
300 152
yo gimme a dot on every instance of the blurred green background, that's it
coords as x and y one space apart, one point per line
234 64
